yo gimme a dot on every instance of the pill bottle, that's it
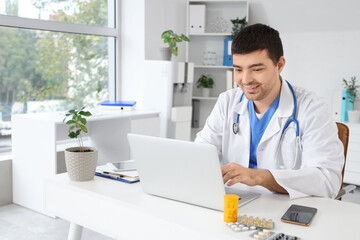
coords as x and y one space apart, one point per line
230 207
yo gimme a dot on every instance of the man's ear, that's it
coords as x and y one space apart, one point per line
281 64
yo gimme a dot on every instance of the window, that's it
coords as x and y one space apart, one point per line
55 55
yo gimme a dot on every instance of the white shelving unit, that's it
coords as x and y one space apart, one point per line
212 39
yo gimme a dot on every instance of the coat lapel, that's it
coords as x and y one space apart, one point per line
284 110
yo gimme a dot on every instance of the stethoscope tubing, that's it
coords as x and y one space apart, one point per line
292 119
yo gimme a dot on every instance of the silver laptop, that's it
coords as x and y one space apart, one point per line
183 171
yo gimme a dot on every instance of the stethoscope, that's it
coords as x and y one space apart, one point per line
292 119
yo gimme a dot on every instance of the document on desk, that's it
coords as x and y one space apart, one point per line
125 176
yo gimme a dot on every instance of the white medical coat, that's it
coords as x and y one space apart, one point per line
316 172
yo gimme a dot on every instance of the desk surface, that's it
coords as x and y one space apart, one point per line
121 210
98 114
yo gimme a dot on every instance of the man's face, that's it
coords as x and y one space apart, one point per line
258 76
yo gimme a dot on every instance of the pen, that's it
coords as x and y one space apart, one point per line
111 175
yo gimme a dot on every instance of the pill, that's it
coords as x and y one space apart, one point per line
237 229
257 236
252 228
261 233
241 225
245 229
233 226
266 231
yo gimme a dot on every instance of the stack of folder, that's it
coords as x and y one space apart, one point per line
118 105
123 176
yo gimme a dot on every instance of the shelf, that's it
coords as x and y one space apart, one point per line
210 34
205 98
215 67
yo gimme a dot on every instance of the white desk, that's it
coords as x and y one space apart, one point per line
123 211
39 139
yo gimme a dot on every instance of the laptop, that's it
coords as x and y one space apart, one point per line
184 171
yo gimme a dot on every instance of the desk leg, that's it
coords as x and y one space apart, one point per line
75 232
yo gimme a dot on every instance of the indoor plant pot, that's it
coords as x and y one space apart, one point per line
80 161
206 92
354 116
81 166
165 53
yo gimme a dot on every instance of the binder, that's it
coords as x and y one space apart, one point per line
126 180
228 61
118 103
197 18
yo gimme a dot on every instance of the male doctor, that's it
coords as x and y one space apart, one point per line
254 127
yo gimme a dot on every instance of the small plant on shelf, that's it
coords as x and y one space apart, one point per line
238 25
205 81
77 125
172 38
351 87
80 161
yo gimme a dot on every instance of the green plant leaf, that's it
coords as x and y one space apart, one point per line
85 113
72 135
83 128
71 122
174 51
71 128
185 38
82 120
72 111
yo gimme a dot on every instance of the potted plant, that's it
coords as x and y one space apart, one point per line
238 25
80 161
171 39
205 82
350 93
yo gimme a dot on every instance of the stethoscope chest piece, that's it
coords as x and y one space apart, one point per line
235 128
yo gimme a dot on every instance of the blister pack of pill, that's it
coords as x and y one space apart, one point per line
238 227
262 234
256 221
283 236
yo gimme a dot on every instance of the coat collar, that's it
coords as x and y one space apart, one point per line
286 103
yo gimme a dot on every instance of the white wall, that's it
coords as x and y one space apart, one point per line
132 49
320 38
162 15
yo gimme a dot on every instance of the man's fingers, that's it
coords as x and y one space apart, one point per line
225 169
233 181
227 176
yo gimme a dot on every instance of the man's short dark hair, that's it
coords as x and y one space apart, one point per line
258 37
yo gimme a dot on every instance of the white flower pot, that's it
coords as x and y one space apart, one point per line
81 166
354 116
165 53
206 92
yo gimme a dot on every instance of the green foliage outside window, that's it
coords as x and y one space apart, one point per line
40 65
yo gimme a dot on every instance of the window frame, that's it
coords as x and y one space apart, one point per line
112 32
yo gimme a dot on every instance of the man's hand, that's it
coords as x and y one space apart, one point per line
251 177
238 173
